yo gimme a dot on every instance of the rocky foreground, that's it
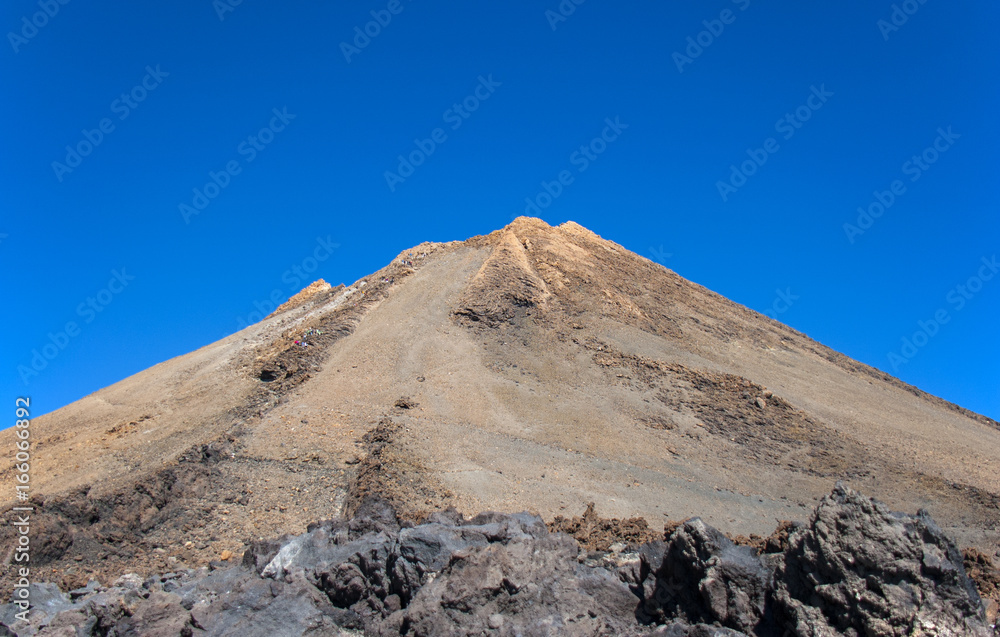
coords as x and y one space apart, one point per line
855 569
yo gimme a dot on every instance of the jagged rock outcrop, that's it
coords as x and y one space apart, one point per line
855 569
700 575
859 568
506 286
316 287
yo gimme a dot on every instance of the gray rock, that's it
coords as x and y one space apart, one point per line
678 628
260 553
858 568
160 615
90 588
525 587
701 576
47 598
855 569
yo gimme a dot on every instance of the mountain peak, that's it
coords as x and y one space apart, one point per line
303 295
536 367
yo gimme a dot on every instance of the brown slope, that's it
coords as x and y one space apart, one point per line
543 368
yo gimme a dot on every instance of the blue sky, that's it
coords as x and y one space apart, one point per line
213 149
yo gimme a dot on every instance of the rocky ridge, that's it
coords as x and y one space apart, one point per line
855 568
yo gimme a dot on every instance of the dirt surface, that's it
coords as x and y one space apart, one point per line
777 542
536 368
599 534
986 575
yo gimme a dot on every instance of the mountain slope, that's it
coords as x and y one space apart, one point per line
533 368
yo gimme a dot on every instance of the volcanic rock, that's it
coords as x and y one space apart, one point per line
854 569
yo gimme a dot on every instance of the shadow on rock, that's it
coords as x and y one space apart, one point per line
855 569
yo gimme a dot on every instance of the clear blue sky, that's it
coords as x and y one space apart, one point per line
181 94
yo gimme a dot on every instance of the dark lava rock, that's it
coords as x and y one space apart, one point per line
856 569
700 575
528 586
860 569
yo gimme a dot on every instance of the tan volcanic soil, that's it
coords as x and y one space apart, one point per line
534 368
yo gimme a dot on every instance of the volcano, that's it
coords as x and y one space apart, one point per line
535 368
